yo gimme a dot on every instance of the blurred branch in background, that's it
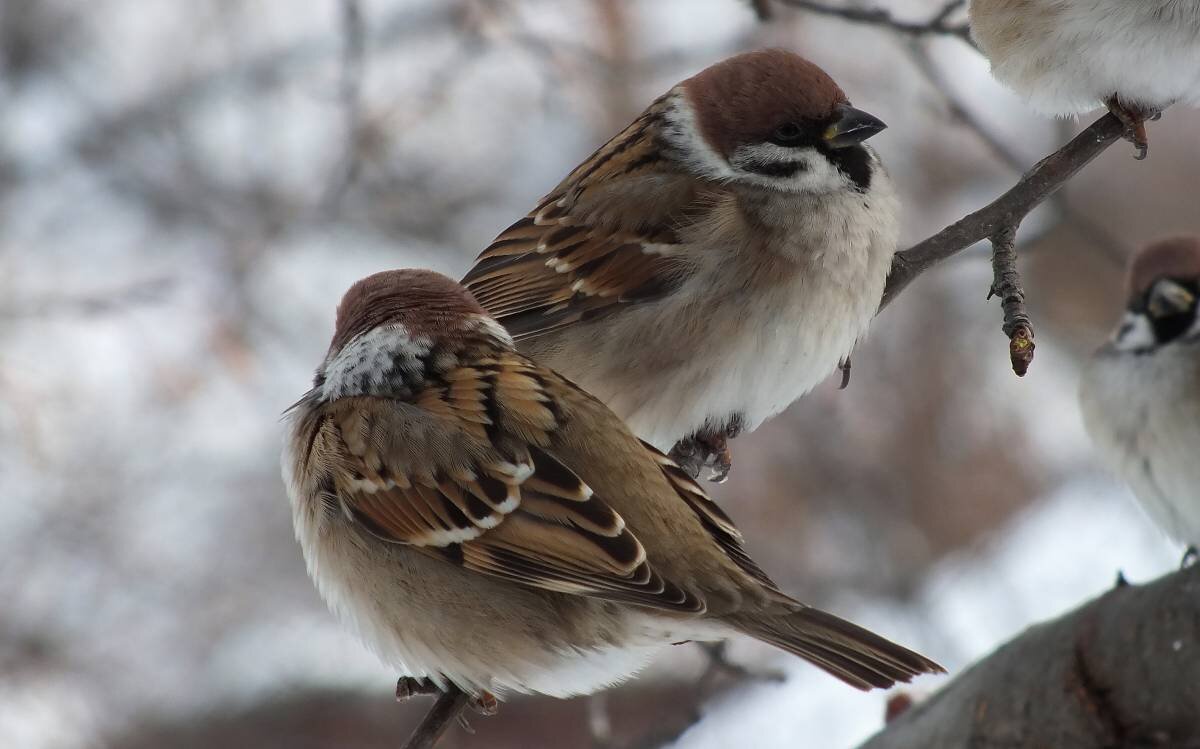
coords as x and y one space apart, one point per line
354 52
1120 671
937 25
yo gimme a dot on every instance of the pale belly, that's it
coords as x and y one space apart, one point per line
1148 432
670 369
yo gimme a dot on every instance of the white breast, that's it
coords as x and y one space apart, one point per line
1066 57
1143 413
744 339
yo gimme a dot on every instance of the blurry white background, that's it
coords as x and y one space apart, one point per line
187 188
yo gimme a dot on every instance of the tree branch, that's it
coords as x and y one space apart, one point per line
1122 670
937 25
1006 211
1006 284
943 88
448 708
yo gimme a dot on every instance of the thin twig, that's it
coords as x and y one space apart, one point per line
448 708
1006 284
354 35
1008 210
938 25
762 9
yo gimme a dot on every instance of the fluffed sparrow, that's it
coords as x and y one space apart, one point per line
1069 56
712 262
1140 393
480 521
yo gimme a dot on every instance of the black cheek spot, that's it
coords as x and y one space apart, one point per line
779 169
855 163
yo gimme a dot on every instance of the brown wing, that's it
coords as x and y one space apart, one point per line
513 512
604 238
719 525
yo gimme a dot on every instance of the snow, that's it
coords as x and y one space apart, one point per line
1060 553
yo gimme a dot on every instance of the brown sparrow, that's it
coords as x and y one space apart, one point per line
712 262
1140 393
480 521
1069 56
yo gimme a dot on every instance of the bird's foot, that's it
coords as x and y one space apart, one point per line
719 664
485 704
1134 119
1190 557
707 450
408 687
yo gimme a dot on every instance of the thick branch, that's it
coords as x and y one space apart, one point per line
1121 671
938 25
1006 211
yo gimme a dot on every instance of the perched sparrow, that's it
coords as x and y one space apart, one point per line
1141 392
1069 56
712 262
482 522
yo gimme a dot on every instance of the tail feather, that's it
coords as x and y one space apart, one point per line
857 656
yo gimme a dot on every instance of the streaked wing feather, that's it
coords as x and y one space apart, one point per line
719 525
563 264
521 515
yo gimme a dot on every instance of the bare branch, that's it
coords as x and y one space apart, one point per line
762 9
1122 670
1006 211
354 34
448 708
1006 284
937 25
1095 234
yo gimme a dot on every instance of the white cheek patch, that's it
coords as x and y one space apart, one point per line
1134 333
682 133
812 171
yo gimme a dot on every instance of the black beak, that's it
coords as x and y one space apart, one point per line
852 126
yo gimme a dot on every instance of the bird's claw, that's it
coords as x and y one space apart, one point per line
719 663
485 704
1134 119
706 451
408 687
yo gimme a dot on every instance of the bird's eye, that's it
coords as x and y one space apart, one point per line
788 132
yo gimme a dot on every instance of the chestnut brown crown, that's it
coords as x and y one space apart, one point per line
750 97
1177 258
424 302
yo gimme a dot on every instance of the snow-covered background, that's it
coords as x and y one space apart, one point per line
187 188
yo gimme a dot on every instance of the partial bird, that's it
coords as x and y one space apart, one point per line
1140 394
711 263
483 523
1067 57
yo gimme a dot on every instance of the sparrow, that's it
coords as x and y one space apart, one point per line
711 263
482 522
1140 394
1067 57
